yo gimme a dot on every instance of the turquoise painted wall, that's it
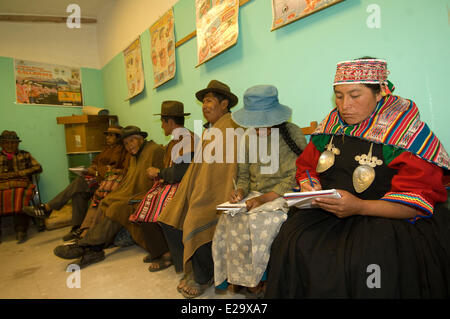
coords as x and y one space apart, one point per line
37 128
300 59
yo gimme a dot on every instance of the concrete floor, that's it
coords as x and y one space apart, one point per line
31 270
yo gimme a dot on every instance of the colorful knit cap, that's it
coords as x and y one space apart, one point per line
395 121
370 71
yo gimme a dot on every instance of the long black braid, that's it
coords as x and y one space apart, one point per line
288 139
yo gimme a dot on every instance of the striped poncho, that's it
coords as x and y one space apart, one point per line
396 121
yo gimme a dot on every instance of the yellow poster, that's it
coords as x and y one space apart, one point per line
133 68
287 11
217 27
162 38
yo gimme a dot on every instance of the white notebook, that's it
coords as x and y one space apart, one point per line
303 200
80 170
238 205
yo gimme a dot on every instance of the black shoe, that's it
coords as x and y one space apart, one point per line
90 257
71 251
40 224
37 212
75 233
21 237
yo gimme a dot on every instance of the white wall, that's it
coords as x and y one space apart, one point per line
119 22
50 43
122 21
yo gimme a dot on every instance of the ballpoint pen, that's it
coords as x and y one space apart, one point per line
310 179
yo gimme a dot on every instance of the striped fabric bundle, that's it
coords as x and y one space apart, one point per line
154 202
396 121
12 200
109 184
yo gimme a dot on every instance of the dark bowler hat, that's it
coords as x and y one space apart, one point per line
115 129
132 130
172 108
9 136
218 87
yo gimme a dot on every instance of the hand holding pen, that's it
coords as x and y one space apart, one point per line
311 185
237 194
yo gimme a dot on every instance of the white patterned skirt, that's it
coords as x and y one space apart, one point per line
242 241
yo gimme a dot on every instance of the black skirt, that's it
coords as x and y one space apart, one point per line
318 255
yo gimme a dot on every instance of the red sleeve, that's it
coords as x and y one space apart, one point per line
417 183
307 161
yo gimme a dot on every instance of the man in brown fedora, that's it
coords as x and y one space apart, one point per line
16 187
178 155
191 215
114 207
111 160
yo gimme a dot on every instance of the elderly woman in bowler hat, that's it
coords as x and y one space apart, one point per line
241 259
16 187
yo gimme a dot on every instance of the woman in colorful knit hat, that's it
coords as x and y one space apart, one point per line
388 236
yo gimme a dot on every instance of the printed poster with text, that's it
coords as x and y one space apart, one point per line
287 11
133 68
162 38
49 84
217 27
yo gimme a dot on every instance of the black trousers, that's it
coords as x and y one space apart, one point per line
78 191
202 261
103 234
20 221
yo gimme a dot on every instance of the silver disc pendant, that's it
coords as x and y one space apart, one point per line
364 174
363 177
326 159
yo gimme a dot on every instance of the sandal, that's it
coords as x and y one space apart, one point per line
162 262
191 284
148 259
183 281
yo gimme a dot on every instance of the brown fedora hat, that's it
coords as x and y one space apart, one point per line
172 108
9 136
218 87
115 129
132 130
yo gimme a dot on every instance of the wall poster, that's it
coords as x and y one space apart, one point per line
217 27
133 67
47 84
287 11
162 38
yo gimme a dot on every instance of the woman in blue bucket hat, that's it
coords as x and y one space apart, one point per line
243 235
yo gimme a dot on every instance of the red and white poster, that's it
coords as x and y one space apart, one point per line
162 38
217 27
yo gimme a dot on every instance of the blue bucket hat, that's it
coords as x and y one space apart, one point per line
261 108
